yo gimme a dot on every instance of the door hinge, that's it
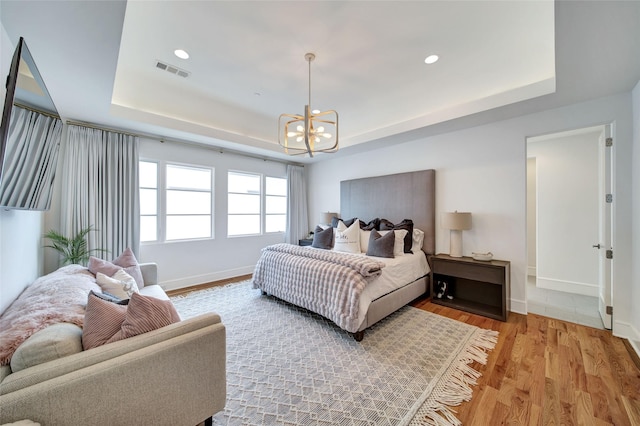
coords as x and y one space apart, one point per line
609 310
609 142
609 254
609 198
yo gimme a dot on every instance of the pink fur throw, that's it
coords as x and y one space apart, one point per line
60 296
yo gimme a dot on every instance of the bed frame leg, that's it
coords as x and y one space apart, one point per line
358 335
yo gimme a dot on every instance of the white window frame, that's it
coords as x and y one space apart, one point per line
262 195
157 189
162 201
260 201
264 205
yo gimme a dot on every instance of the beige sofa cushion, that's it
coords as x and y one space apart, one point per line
53 342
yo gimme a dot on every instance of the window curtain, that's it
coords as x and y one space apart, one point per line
100 189
297 211
30 160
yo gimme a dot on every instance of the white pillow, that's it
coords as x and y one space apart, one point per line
347 239
398 247
364 240
418 240
120 284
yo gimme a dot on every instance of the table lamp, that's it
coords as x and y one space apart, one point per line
456 222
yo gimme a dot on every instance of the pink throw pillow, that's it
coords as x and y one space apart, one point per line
144 314
107 322
126 261
102 320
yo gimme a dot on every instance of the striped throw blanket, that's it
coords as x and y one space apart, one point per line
325 282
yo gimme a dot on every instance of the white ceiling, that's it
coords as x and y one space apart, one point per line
498 59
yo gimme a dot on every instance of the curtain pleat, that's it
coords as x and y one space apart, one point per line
100 189
30 160
297 211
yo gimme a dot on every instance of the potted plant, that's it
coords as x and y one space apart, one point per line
72 250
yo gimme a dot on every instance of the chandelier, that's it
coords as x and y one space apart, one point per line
312 132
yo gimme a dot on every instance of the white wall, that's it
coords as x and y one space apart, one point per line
635 281
20 231
567 212
483 170
531 216
187 263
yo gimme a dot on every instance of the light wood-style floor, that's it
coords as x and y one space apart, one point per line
545 371
550 372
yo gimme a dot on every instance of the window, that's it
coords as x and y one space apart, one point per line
275 204
243 204
252 210
188 200
176 202
148 176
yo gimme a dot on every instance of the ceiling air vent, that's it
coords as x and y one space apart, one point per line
172 69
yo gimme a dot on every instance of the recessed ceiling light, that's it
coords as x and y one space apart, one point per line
431 59
181 54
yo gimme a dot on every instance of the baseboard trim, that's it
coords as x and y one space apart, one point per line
519 306
568 286
205 279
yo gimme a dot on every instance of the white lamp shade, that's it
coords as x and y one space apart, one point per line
458 221
325 217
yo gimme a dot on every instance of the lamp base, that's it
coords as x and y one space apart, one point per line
455 243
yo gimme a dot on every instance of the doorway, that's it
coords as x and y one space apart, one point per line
567 226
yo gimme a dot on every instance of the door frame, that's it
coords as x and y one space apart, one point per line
606 173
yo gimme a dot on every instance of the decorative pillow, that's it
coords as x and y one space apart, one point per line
335 221
381 245
111 298
144 314
322 238
406 224
107 322
102 320
364 240
55 341
398 247
121 284
418 240
126 261
348 238
373 224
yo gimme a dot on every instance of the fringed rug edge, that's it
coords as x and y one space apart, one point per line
455 387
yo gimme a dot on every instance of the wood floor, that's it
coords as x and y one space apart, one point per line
545 371
550 372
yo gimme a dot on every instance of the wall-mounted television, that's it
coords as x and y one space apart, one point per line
30 134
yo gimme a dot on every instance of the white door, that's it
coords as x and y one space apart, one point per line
605 245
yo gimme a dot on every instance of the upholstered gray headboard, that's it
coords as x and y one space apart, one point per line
395 197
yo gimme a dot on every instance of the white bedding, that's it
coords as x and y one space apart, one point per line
398 272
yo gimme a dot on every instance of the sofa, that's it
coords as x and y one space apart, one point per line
173 375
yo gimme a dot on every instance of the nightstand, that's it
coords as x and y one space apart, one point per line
305 242
478 287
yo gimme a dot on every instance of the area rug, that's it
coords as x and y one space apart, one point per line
288 366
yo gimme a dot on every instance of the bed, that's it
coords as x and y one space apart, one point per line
354 290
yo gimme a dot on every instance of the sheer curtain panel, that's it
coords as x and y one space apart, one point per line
297 214
100 189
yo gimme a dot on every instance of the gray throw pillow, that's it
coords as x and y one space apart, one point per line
322 238
381 245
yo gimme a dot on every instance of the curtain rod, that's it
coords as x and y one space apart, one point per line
39 111
198 144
